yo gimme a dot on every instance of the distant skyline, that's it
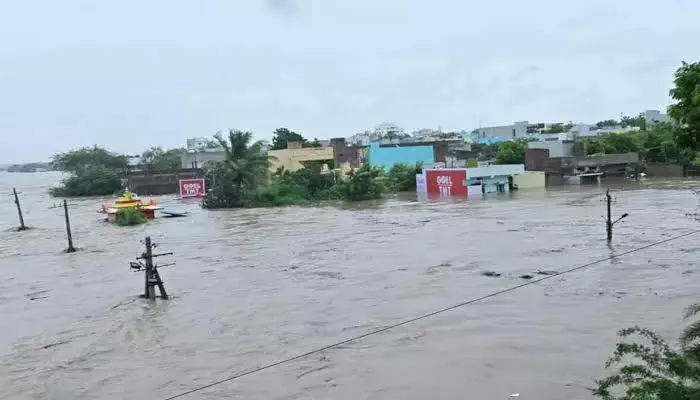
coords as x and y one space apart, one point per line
129 75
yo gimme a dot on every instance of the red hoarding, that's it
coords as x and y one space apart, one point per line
446 182
192 188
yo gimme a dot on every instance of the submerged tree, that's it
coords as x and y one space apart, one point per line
402 177
93 172
362 184
244 169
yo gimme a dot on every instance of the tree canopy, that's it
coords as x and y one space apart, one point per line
283 136
94 172
651 369
243 170
511 152
86 157
158 159
639 121
555 128
608 123
655 144
686 109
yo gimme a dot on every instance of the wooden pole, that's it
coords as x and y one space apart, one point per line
22 227
608 222
70 248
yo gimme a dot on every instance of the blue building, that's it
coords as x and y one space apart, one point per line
386 156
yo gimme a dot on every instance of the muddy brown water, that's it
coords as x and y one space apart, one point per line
251 287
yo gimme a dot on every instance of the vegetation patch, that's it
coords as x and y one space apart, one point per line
129 217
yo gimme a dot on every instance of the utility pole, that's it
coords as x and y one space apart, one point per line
608 221
151 275
70 248
69 233
22 227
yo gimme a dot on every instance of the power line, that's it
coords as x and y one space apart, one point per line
424 316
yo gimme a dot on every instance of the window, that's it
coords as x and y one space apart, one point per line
513 132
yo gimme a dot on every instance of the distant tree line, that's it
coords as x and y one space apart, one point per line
29 167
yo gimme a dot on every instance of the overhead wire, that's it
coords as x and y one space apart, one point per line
424 316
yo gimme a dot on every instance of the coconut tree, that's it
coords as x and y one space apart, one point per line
248 163
244 168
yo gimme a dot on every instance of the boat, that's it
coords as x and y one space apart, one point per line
131 200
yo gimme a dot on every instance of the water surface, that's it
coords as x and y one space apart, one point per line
254 286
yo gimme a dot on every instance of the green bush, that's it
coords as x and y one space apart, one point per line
129 217
402 177
362 184
224 190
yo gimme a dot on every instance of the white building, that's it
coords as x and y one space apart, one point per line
655 117
557 148
516 130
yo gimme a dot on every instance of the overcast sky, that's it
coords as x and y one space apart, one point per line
130 74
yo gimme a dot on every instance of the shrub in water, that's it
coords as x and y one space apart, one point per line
129 217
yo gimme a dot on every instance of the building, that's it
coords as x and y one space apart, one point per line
468 182
530 180
516 130
655 117
348 156
583 169
294 156
557 148
386 156
201 151
201 158
492 178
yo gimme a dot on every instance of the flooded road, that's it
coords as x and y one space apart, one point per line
252 287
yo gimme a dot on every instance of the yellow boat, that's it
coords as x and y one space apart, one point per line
130 200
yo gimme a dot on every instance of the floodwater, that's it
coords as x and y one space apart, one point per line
251 287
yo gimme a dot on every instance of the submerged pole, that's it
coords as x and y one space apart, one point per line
150 292
151 275
70 248
608 222
22 227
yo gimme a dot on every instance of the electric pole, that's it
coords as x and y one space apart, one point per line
71 248
69 233
608 221
151 275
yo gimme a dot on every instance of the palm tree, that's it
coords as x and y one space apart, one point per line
244 169
247 164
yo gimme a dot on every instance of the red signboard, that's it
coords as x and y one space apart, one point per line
446 182
192 188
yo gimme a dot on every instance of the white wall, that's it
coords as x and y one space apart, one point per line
556 148
496 170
